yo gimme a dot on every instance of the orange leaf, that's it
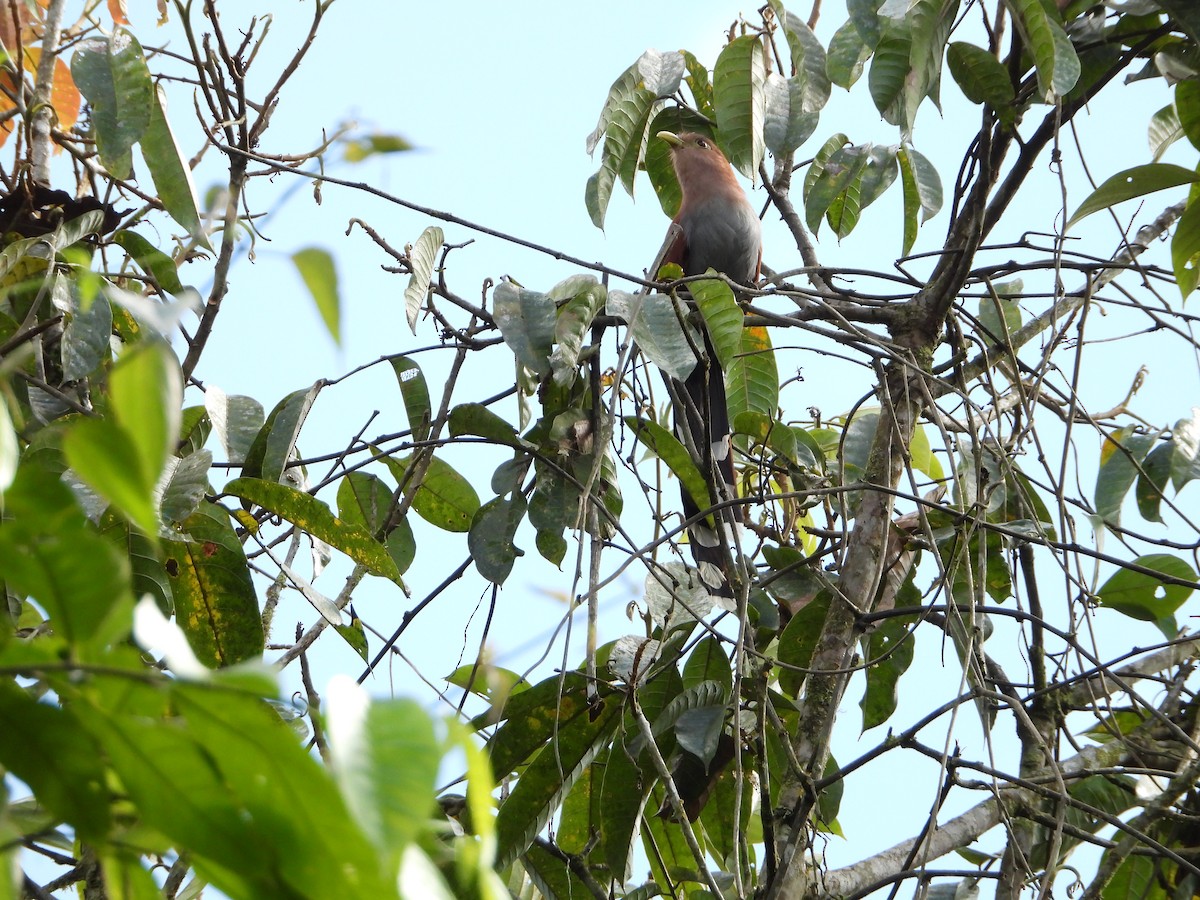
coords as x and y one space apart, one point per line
116 9
64 95
14 14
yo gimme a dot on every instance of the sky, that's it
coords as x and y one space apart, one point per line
498 100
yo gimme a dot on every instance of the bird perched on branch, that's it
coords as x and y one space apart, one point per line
715 228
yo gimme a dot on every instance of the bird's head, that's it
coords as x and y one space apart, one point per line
699 162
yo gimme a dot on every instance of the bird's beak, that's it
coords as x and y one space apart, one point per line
671 138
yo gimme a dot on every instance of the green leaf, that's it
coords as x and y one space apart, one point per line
402 545
1120 458
660 72
215 601
598 192
87 338
922 191
930 21
312 516
1053 53
422 259
195 428
667 853
320 277
798 642
619 797
625 139
237 420
547 779
150 260
982 77
10 451
921 455
492 535
78 578
106 457
698 83
888 653
415 394
1185 249
856 443
786 126
626 81
657 324
870 171
384 757
752 379
1187 109
443 498
1144 597
622 125
668 448
1131 183
809 63
1184 13
1000 313
864 14
553 507
879 174
115 79
527 320
788 442
273 448
358 149
1164 130
709 663
531 718
1136 876
1109 793
46 747
890 70
738 81
364 500
170 172
184 484
722 317
847 56
1153 480
816 173
550 873
146 396
477 419
148 575
1185 461
838 179
585 297
253 767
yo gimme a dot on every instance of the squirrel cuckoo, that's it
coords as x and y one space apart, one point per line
715 228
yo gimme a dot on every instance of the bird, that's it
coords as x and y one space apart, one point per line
716 228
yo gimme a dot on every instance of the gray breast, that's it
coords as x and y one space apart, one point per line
724 235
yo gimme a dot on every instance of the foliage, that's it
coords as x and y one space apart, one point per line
140 726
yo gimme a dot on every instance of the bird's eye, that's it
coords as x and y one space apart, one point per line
702 144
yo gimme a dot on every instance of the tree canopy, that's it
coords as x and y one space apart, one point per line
990 547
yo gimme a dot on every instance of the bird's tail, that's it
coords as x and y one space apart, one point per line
702 425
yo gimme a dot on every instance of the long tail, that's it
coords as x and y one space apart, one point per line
702 425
